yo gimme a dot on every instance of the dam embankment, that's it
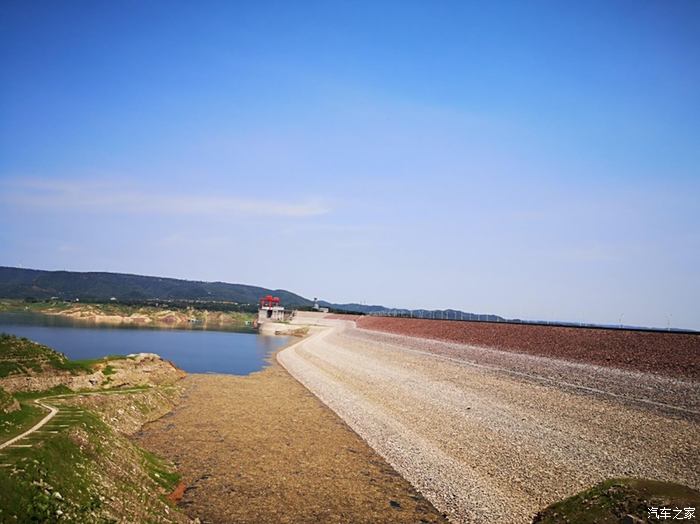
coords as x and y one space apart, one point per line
494 436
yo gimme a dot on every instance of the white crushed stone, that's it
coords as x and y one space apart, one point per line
491 436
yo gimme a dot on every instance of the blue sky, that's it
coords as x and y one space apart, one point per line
531 159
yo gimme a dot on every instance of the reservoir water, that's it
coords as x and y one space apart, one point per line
194 350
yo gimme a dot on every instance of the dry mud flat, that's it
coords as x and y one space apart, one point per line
494 436
263 449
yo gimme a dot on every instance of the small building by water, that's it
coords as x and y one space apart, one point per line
271 310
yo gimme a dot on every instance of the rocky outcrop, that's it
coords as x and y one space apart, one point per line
8 403
140 369
128 413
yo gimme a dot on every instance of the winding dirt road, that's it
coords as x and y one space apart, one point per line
51 414
53 411
492 436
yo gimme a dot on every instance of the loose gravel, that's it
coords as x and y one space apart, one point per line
494 436
665 353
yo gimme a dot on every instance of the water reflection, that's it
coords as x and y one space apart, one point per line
195 350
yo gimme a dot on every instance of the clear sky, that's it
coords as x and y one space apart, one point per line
531 159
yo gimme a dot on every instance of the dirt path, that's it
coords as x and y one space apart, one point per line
262 449
489 436
52 413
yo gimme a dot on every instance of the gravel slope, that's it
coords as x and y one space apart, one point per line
664 353
490 436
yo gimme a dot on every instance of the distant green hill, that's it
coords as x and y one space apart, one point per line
448 314
37 284
69 285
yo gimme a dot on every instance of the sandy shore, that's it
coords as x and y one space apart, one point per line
262 448
493 436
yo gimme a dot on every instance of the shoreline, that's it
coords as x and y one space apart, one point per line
137 317
263 448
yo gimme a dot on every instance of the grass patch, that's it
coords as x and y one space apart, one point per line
20 356
51 481
24 396
9 368
111 391
88 364
609 502
16 422
75 366
62 477
160 471
115 357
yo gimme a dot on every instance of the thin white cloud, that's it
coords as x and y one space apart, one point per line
108 197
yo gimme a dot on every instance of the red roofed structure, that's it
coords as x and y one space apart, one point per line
271 309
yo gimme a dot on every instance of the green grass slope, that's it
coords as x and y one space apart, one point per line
620 501
80 470
80 466
19 356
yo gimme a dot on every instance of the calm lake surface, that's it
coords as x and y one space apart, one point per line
195 351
